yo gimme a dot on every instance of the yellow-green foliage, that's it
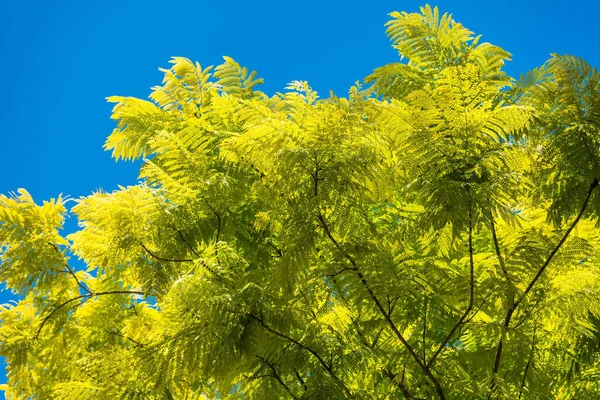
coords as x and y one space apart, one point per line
431 235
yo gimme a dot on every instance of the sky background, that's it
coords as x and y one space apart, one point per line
61 59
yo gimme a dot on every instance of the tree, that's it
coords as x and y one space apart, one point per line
432 235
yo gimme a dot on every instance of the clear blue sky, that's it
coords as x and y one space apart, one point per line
61 59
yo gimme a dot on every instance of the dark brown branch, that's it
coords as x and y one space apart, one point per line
134 310
83 296
424 326
485 299
184 240
316 179
461 320
527 315
325 366
126 337
509 283
302 382
277 377
377 337
512 309
70 270
212 271
218 235
218 276
339 272
361 335
593 186
386 372
259 172
400 384
305 298
527 365
277 249
426 370
55 310
159 258
497 249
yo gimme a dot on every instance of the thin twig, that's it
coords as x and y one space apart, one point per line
126 337
485 299
302 381
463 317
183 239
559 245
400 384
217 237
527 315
339 272
501 259
70 270
277 377
512 309
424 326
384 313
83 296
325 366
159 258
528 363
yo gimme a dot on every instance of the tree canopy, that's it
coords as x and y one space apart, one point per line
433 235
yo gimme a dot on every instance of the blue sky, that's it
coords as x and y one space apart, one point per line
61 59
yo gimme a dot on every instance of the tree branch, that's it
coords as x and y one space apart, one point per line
382 310
126 337
259 172
85 297
70 270
593 186
512 309
159 258
485 299
528 314
528 364
333 275
400 384
302 382
184 240
471 296
325 366
424 326
217 236
509 283
277 377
